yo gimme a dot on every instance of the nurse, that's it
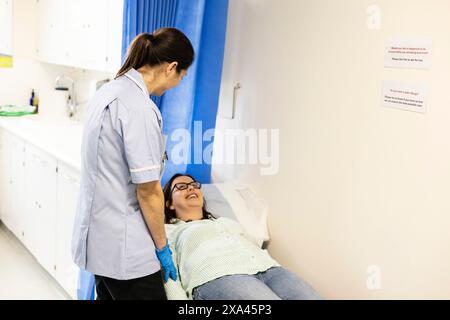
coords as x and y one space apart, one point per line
119 233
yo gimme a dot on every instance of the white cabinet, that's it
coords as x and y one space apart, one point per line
68 184
115 33
38 201
4 175
80 33
40 218
6 23
92 31
12 184
17 186
50 30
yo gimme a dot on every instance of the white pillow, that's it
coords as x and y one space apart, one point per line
241 203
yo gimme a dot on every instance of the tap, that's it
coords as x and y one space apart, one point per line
71 104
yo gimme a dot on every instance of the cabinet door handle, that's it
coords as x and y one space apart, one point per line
71 180
39 160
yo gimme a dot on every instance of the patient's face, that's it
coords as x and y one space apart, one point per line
187 203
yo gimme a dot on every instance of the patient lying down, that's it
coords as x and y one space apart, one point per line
215 258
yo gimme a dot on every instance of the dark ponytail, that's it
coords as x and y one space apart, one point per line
164 45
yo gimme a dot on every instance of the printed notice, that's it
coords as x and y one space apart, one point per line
408 53
405 96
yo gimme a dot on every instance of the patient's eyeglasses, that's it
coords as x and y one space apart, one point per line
183 185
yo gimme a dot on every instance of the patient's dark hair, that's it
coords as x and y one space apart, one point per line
171 214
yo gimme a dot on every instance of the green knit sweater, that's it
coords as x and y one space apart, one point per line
205 250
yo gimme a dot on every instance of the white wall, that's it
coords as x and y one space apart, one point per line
16 82
359 184
27 73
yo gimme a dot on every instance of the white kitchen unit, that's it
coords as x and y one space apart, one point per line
68 185
17 186
12 182
40 217
39 185
115 35
91 50
6 24
4 169
85 34
50 28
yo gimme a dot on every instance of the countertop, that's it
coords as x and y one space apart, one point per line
60 138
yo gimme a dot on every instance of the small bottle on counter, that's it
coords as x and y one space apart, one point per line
34 100
31 98
36 103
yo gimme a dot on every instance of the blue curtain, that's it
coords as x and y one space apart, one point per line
195 100
145 16
86 286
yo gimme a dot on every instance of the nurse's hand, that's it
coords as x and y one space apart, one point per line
165 257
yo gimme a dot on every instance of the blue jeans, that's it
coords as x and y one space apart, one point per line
274 284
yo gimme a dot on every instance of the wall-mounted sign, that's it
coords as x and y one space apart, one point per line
408 53
6 16
405 96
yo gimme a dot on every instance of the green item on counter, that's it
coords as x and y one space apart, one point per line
16 111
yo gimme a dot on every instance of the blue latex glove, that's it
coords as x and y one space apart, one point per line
165 257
